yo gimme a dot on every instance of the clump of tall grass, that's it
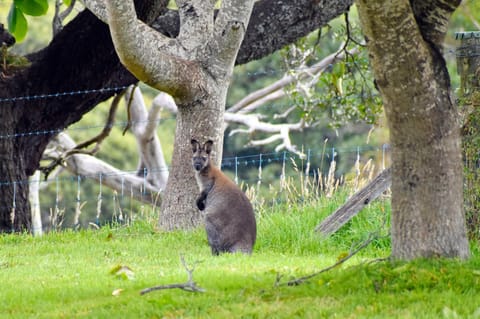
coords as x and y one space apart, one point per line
296 204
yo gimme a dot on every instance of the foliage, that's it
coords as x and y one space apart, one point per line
77 273
345 91
17 22
471 153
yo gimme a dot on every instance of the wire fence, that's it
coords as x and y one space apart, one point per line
79 201
74 200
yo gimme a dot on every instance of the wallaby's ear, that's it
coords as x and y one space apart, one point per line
195 145
208 146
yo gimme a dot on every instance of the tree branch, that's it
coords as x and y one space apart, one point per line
301 74
58 17
144 126
190 285
79 148
98 8
152 57
91 167
196 18
230 28
353 251
301 280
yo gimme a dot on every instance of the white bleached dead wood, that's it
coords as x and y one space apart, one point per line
143 125
90 167
276 90
145 185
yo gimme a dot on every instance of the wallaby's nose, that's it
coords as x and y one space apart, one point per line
197 166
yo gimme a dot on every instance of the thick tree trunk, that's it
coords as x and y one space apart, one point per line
15 213
202 121
427 199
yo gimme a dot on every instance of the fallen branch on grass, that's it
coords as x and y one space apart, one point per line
190 285
353 251
300 280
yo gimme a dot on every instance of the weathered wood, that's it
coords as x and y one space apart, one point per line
356 203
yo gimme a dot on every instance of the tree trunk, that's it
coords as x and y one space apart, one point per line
202 121
427 198
15 213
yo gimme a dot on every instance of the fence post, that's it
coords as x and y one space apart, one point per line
78 206
99 201
34 200
259 172
236 170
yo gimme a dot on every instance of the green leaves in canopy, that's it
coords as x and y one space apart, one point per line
17 23
32 7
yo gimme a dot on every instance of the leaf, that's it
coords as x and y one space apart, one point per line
67 2
17 23
32 7
117 292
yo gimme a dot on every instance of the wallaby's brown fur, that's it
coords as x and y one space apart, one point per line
229 218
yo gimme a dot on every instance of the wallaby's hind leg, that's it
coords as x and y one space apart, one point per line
213 236
241 247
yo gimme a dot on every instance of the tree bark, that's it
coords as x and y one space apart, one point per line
201 121
427 199
15 213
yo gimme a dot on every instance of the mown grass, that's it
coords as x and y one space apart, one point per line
69 274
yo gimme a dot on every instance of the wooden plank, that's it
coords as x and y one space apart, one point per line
356 203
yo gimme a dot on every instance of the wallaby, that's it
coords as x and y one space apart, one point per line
229 218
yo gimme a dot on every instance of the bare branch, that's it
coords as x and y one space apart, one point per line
254 124
302 74
165 101
91 167
79 149
57 22
275 95
190 285
144 126
301 280
355 203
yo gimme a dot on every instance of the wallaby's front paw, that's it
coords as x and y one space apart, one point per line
201 204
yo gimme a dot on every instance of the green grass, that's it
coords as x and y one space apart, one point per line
69 274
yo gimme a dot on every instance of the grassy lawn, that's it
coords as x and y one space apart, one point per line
73 274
